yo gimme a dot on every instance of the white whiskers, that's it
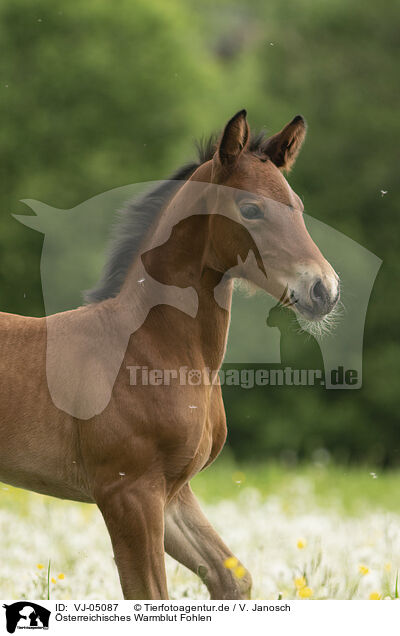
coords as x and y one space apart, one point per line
323 327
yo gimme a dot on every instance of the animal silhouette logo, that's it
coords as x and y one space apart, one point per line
70 262
26 615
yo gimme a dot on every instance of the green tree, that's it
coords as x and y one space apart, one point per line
94 95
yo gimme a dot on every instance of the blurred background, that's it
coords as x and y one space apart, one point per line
96 95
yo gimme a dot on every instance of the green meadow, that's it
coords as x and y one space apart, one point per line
312 531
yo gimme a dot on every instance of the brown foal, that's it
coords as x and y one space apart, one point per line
71 423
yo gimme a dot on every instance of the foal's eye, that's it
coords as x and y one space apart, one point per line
250 211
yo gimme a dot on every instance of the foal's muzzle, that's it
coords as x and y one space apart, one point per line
318 302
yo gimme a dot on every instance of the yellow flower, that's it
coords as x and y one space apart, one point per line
374 596
40 566
239 572
53 580
363 569
300 582
302 543
231 562
388 567
61 576
305 592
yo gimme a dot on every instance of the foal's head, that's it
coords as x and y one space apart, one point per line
257 228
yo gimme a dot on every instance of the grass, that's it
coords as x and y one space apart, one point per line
314 531
350 489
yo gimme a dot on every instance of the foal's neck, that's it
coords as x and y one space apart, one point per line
176 256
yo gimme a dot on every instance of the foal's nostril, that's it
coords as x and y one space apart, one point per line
318 291
320 297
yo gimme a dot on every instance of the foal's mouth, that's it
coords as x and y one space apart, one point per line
319 325
316 309
310 314
312 319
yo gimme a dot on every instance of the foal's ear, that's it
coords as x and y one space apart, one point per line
284 147
233 140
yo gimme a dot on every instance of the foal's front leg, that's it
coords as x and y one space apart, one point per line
134 516
191 540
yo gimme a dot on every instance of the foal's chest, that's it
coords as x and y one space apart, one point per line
213 431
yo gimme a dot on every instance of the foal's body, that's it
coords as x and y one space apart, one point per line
136 455
139 454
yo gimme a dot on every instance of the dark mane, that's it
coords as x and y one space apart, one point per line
139 216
